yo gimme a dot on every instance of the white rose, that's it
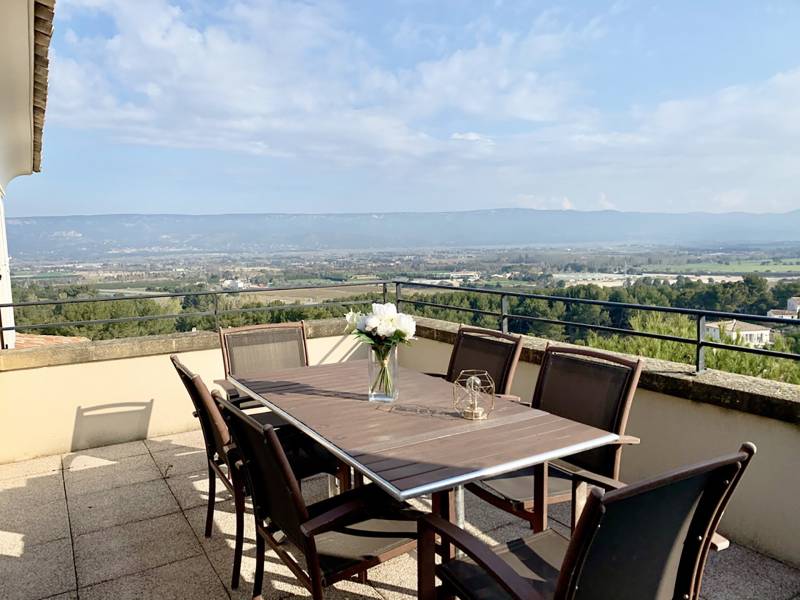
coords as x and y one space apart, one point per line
406 325
371 323
384 310
386 327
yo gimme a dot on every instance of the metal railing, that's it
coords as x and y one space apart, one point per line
699 341
504 316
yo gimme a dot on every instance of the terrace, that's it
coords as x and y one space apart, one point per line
103 472
104 457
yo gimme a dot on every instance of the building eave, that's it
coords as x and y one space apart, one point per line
43 13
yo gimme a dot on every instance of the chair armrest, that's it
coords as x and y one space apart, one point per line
227 387
512 398
719 542
596 480
628 440
482 555
330 518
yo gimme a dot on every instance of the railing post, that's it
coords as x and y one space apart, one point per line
2 332
216 312
700 349
504 313
398 287
385 292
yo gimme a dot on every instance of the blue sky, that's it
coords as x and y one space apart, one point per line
213 106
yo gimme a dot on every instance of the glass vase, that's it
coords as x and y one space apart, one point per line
383 374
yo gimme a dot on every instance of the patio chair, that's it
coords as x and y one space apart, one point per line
253 350
491 351
339 538
646 540
594 388
307 457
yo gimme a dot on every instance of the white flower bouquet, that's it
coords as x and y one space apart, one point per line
383 330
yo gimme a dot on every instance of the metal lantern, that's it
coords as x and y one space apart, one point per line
473 394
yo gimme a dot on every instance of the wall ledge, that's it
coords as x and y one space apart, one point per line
763 397
134 347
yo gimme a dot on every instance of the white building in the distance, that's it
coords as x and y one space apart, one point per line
780 313
793 304
756 336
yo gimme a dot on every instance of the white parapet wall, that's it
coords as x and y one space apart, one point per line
59 408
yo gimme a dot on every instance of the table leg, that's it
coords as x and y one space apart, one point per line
458 500
443 505
540 497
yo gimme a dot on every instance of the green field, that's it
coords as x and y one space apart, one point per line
791 265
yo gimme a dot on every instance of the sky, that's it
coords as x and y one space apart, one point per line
247 106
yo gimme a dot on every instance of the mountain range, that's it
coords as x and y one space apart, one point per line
104 236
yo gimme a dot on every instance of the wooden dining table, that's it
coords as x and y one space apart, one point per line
419 444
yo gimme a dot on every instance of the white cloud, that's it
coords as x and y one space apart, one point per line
501 116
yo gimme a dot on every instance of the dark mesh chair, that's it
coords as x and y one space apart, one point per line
255 350
583 385
307 458
644 541
339 538
491 351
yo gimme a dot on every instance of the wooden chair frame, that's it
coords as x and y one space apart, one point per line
352 502
226 454
725 472
528 510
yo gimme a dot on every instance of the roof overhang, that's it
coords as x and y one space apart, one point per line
26 27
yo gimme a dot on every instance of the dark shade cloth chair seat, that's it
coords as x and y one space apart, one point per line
487 350
386 527
587 386
648 540
536 559
517 487
339 537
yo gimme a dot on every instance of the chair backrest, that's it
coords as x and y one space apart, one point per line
275 491
254 350
593 388
215 431
491 351
650 539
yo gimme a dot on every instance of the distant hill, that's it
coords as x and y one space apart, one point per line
104 236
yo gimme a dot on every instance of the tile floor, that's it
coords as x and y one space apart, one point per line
126 522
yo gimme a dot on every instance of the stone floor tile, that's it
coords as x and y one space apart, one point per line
93 474
30 524
180 461
177 442
134 547
18 494
396 579
189 578
81 458
191 489
223 533
26 468
742 574
279 581
107 508
41 571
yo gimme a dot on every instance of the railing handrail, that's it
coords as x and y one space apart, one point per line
503 315
722 315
